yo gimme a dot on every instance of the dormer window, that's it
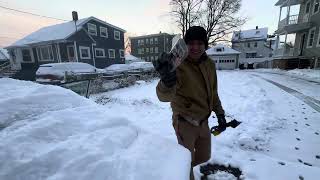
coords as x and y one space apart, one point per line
219 49
92 29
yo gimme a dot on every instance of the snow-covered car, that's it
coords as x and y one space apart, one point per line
115 69
55 72
142 66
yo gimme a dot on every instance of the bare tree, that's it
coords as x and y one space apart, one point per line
218 17
185 13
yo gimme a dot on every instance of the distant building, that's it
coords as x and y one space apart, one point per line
224 57
298 34
149 47
91 41
255 45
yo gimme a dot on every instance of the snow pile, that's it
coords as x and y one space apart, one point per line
308 73
52 133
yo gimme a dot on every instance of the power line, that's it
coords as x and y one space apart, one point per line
16 10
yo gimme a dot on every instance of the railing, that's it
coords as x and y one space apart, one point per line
293 19
284 52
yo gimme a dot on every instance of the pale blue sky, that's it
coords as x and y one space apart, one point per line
136 16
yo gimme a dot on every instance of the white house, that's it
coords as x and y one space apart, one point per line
224 57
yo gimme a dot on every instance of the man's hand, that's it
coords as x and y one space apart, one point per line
163 67
222 121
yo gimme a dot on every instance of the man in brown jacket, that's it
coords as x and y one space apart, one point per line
192 91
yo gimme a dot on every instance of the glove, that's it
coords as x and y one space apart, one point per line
222 121
163 67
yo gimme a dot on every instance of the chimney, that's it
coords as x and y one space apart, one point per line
74 16
257 27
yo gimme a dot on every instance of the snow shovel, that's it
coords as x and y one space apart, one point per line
216 130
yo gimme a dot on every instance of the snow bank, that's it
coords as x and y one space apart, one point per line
52 133
308 74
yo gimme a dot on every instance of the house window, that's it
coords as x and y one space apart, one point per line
248 45
155 40
45 53
156 50
308 5
142 42
151 50
312 33
121 52
103 32
147 58
85 52
147 41
70 52
147 50
100 52
152 58
255 44
117 35
92 29
112 53
251 55
26 55
316 6
151 41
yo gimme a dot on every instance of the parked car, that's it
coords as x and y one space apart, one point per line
56 72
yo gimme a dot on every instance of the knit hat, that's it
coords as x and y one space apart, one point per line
196 33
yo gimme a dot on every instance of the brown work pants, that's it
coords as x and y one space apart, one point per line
197 139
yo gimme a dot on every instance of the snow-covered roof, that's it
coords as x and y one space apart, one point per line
4 54
252 34
56 32
220 49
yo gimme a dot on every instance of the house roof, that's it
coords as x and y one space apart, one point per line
224 50
152 35
248 35
4 54
56 32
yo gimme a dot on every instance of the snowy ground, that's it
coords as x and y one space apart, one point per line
69 137
279 136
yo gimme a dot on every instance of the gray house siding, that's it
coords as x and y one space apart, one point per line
107 43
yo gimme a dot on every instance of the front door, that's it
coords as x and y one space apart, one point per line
303 37
71 54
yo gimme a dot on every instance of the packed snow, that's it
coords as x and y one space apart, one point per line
130 134
52 133
307 74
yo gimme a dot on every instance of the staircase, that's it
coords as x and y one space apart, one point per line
6 71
